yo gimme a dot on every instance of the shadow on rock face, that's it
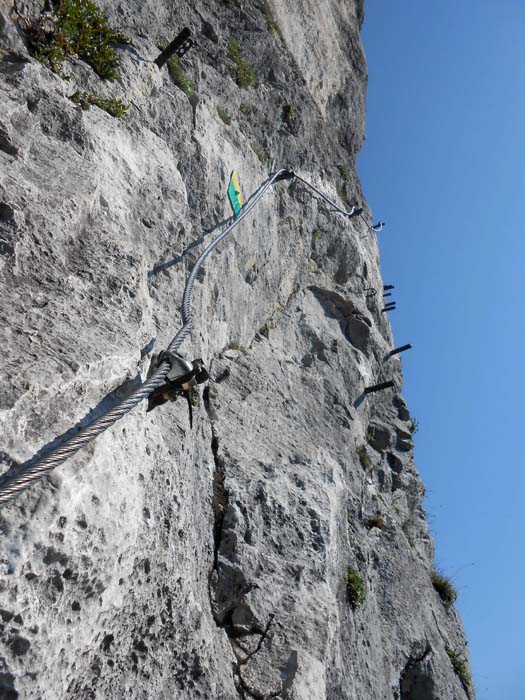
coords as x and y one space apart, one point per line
379 437
108 402
354 324
417 678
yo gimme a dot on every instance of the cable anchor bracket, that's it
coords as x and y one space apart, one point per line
182 379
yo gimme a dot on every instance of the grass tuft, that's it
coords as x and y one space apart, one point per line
112 106
355 587
179 77
245 73
459 665
272 25
444 587
234 345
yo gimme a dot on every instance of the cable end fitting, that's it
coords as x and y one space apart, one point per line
285 175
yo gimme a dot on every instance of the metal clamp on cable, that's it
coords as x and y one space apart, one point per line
284 175
181 380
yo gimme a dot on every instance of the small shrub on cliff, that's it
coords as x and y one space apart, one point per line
355 587
245 72
413 426
444 587
76 28
459 665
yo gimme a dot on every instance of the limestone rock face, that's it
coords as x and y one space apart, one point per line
163 562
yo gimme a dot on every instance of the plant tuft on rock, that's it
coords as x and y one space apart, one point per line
179 77
413 426
444 587
75 28
272 25
459 665
344 171
245 73
407 531
355 587
290 114
114 107
234 345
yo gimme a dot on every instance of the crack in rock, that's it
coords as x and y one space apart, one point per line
236 618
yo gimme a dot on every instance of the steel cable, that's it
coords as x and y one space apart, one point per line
19 478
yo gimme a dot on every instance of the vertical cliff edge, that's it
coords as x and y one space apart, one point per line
280 548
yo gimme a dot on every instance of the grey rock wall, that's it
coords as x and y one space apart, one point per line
161 562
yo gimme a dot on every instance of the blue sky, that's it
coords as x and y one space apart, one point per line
443 165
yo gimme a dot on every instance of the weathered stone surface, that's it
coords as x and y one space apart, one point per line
402 410
354 323
161 562
394 462
404 441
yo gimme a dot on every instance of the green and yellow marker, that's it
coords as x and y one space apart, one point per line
235 194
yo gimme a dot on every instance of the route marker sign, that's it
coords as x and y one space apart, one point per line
235 194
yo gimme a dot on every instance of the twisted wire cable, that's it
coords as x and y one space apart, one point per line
372 227
21 477
323 196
